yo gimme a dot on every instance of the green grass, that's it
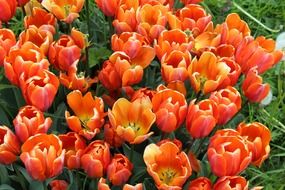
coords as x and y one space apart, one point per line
267 18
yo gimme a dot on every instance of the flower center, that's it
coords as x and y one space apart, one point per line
167 175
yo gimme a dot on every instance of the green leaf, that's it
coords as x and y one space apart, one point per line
6 187
137 158
6 86
4 177
98 55
57 119
36 185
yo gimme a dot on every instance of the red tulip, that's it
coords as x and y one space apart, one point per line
7 9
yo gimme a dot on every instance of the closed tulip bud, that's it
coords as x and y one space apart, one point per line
201 118
29 122
108 7
170 108
7 40
167 165
111 136
109 77
228 101
96 159
228 153
253 88
66 11
9 146
74 146
7 9
119 170
231 183
201 183
43 156
258 137
40 90
58 185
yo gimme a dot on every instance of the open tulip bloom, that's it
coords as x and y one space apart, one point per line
133 95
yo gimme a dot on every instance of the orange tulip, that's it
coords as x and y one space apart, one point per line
170 108
257 53
167 165
9 146
258 138
233 75
40 90
206 41
39 37
201 118
143 93
156 2
109 76
108 7
58 185
66 11
138 186
200 183
75 81
132 120
151 20
102 184
111 136
27 59
74 146
192 17
195 163
191 1
228 153
96 159
119 170
178 86
135 46
41 19
170 40
7 40
29 122
253 88
228 101
174 66
231 183
7 9
207 73
43 156
89 114
67 50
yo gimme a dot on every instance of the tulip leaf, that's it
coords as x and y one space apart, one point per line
58 118
137 158
3 175
6 86
6 187
23 171
138 174
98 55
36 185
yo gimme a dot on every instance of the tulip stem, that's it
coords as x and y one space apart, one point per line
6 24
24 11
132 152
89 32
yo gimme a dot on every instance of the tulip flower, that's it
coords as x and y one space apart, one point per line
89 114
66 11
96 159
170 3
43 156
207 73
102 184
253 88
108 7
125 20
233 75
41 19
39 37
174 66
167 165
74 146
152 20
40 90
170 40
7 9
170 108
200 183
132 120
138 186
9 146
228 101
228 153
7 40
111 136
190 1
75 81
119 170
201 118
25 61
192 17
231 183
258 137
29 122
67 50
58 185
143 93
